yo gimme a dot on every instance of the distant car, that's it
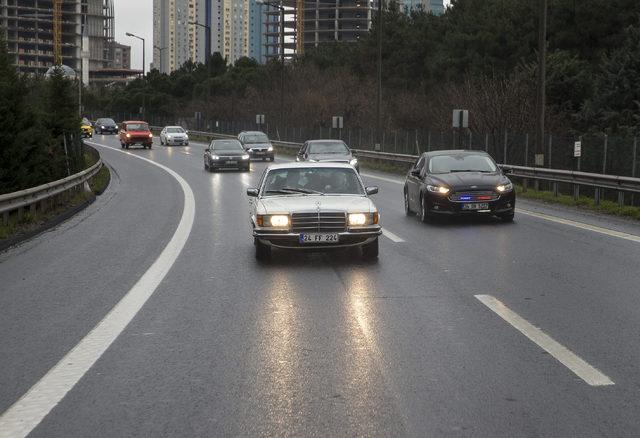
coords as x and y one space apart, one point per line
257 144
174 135
313 206
104 125
228 154
135 132
456 183
327 151
86 129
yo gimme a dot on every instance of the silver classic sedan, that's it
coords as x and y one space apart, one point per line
313 206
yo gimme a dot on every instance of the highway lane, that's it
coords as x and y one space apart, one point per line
330 345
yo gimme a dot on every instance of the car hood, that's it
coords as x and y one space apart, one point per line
470 180
237 153
339 158
139 132
301 204
107 125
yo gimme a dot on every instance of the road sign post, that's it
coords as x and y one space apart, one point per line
460 121
337 122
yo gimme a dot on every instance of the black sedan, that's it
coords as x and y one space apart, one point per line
226 154
103 126
327 151
458 183
257 145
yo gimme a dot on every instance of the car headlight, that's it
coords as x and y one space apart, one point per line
504 188
128 135
353 161
279 220
101 127
442 190
150 135
215 157
360 219
186 137
245 157
270 149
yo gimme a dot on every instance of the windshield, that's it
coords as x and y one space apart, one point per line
106 122
461 163
256 138
313 180
137 127
86 121
226 145
175 130
328 147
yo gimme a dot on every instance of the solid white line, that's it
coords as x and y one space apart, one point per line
392 236
25 414
581 225
562 354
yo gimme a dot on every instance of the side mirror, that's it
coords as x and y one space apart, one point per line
252 192
372 190
186 132
415 172
507 170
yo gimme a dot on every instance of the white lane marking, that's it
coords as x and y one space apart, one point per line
394 237
566 357
582 225
25 414
382 178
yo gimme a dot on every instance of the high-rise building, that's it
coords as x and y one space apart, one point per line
121 56
86 27
173 35
434 6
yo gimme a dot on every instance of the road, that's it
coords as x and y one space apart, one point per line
314 344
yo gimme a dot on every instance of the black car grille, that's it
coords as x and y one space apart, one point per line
474 196
318 222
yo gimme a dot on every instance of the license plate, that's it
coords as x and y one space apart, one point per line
259 153
482 206
319 238
232 162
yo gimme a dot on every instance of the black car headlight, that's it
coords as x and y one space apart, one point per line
441 190
505 188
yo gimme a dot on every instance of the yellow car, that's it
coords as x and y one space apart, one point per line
86 128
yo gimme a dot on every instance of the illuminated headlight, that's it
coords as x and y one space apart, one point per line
353 161
186 137
128 135
150 135
504 188
245 157
279 220
215 157
360 219
438 189
102 127
270 149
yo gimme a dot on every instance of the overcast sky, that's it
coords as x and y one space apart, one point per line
136 16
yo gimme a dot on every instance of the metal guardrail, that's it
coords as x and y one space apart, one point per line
32 196
621 184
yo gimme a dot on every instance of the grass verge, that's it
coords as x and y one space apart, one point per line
607 207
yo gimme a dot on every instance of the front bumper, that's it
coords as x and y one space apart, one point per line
224 164
288 240
177 142
260 154
140 140
438 204
108 129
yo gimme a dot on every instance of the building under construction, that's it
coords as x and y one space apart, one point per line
310 23
43 33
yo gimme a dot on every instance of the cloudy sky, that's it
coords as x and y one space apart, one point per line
136 16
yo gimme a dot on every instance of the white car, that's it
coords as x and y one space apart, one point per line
313 206
174 136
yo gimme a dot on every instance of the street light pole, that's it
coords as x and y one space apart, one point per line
542 72
143 50
207 36
379 82
160 49
282 10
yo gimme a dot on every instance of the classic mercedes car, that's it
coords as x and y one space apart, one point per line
316 206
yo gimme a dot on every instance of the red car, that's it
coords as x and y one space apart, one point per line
135 132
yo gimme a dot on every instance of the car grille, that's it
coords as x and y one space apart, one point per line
318 222
475 196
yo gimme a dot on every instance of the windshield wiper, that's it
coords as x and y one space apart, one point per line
292 190
470 170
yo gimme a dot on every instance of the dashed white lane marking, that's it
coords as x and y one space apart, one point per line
566 357
394 237
25 414
582 225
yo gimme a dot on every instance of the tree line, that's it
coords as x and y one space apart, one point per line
37 116
480 55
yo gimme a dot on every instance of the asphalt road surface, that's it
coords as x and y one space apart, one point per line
468 327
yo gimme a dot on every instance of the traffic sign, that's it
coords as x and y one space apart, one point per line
577 149
460 118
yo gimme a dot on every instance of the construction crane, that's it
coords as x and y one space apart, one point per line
57 32
300 27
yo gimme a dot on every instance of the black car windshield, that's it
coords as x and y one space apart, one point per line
312 180
137 127
226 145
255 138
461 163
328 147
175 130
106 122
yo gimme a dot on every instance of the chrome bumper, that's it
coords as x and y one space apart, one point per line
288 240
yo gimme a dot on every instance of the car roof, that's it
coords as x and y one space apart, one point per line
325 140
307 164
135 121
454 152
176 126
252 132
